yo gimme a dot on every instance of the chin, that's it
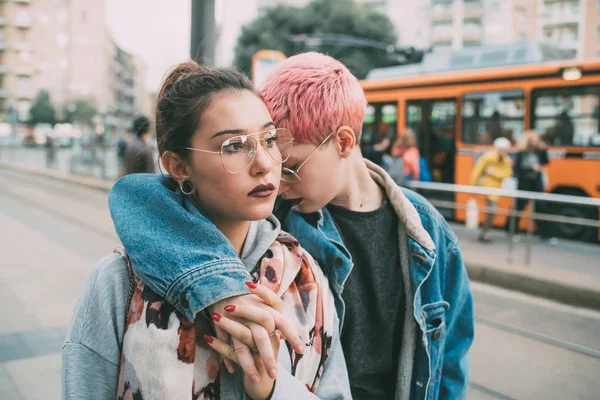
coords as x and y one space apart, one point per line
259 212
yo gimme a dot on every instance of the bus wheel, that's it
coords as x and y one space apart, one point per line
576 232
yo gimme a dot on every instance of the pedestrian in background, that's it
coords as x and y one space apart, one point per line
405 147
50 146
492 168
376 152
121 150
139 156
531 158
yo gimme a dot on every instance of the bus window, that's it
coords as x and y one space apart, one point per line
490 115
379 130
567 116
368 129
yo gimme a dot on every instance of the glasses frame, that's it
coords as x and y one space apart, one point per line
227 142
295 172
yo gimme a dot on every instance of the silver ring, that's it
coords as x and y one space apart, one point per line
254 350
275 333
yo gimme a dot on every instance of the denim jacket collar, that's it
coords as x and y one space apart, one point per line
405 210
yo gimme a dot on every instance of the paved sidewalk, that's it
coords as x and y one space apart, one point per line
568 272
91 182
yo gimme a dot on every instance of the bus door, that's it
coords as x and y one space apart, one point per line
434 124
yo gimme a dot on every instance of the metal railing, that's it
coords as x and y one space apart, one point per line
532 197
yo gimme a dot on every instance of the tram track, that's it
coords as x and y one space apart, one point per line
540 337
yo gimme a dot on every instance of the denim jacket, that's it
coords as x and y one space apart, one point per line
201 268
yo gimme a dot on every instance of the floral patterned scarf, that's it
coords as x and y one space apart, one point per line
165 357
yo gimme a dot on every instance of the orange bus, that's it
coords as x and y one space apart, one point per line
457 114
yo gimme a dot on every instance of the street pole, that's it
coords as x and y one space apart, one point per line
203 38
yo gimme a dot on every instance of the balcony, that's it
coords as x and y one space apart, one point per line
22 23
25 70
549 20
25 95
22 46
442 15
473 11
22 20
472 37
437 39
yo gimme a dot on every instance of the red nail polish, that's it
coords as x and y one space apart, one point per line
209 339
216 317
251 285
230 308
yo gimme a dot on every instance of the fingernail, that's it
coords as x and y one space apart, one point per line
255 378
230 309
251 285
299 349
216 317
273 373
209 339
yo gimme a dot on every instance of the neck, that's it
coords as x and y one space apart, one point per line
360 192
235 231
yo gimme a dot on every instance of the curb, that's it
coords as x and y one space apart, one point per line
509 278
535 284
91 183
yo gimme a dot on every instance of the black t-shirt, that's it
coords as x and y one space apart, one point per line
524 170
374 298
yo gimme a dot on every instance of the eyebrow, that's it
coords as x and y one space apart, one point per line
239 131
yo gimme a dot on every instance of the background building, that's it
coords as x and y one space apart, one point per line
456 24
452 24
16 59
571 24
65 47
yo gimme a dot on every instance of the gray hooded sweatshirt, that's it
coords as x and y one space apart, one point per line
92 351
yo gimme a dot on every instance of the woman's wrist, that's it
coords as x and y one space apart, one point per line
257 396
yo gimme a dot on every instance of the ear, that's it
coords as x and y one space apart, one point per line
175 166
346 140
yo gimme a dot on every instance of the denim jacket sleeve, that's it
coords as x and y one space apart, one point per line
192 271
459 321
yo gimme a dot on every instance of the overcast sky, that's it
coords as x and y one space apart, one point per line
156 30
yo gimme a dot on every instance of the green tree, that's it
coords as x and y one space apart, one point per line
42 111
81 111
275 28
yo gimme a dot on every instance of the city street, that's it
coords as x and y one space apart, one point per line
53 233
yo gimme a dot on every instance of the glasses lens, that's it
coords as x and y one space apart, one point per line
237 153
289 176
278 143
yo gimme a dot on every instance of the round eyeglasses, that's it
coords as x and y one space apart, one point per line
238 152
291 175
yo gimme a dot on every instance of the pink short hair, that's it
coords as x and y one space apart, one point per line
312 95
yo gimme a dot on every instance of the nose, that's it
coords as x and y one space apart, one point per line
262 163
